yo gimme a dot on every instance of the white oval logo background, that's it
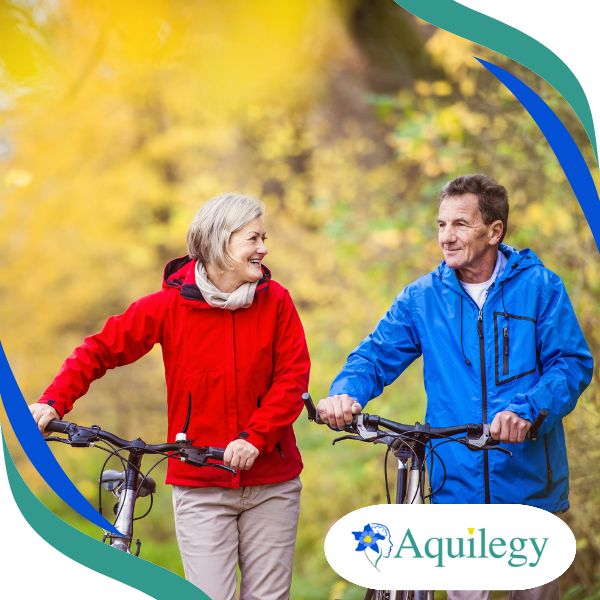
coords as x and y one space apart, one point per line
450 547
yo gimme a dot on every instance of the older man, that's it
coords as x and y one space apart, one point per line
500 342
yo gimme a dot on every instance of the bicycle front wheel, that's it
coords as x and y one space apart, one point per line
402 595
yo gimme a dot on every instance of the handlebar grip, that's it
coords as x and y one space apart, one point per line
216 453
58 426
537 423
311 409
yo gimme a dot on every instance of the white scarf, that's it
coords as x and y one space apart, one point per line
240 298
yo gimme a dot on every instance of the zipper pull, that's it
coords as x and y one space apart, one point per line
480 324
505 352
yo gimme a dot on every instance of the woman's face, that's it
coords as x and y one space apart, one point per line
247 248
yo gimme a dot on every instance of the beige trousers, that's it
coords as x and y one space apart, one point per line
218 528
549 591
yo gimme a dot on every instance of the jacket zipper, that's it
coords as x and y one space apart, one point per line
548 466
505 352
486 474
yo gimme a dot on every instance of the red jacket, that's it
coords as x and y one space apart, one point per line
245 371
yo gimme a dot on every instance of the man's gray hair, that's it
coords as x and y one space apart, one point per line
212 226
492 197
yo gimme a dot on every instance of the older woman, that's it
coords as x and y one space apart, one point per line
236 362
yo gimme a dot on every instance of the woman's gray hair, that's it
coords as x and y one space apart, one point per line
212 226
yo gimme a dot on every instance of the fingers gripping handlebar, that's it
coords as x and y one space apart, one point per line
367 426
197 456
58 426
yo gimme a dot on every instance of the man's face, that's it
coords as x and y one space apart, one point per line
467 243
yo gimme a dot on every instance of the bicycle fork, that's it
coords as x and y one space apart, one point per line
409 483
409 490
126 506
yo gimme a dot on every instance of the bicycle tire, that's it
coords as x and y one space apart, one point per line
399 595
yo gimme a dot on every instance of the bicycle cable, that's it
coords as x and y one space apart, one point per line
431 455
165 457
112 452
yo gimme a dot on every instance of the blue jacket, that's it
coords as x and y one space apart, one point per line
523 352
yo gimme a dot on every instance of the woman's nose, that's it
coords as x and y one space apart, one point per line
262 249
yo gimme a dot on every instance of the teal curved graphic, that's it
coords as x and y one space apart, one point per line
511 42
37 450
136 572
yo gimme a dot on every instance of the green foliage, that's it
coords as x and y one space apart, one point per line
109 155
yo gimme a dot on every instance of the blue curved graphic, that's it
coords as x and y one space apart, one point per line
37 449
561 142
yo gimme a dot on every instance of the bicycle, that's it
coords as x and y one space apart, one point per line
410 444
130 484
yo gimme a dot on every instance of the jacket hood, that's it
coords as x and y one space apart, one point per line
180 273
518 261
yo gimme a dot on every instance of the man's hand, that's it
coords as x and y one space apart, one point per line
337 411
240 455
42 414
508 427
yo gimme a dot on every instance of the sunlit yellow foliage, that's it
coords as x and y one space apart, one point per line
118 119
452 53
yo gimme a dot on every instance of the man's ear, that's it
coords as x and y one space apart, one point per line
495 231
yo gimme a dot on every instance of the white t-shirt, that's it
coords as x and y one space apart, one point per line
478 291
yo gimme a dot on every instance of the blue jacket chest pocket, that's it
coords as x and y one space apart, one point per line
514 347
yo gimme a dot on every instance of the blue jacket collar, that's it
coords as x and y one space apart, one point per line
518 260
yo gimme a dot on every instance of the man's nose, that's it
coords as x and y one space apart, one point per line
447 235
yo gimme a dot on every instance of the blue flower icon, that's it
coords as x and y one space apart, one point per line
367 538
374 541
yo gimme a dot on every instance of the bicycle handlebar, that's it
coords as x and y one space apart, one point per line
368 422
80 436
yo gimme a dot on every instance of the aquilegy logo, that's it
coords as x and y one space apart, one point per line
374 541
450 547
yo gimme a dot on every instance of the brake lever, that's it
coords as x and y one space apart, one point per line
219 466
487 445
56 438
348 437
501 449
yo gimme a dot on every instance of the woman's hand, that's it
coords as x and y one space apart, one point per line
240 455
42 414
